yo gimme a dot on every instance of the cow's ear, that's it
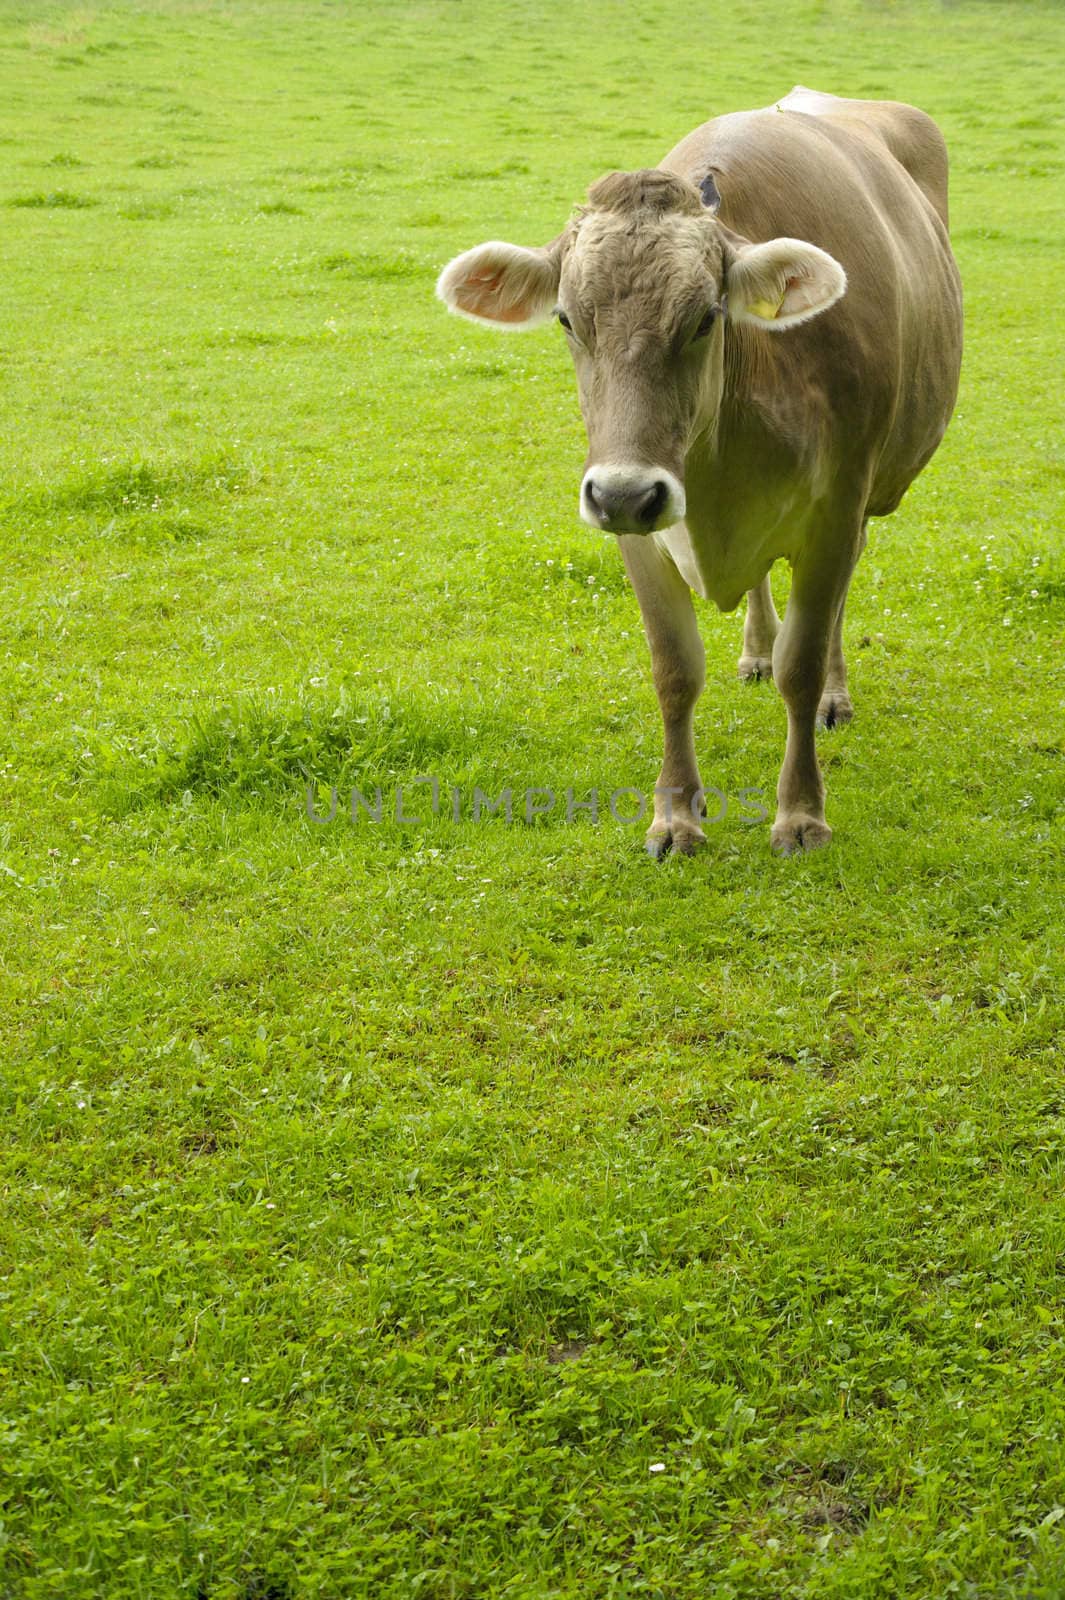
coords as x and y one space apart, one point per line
503 285
781 283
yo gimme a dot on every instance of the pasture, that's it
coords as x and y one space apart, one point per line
459 1208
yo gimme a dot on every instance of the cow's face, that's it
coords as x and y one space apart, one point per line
642 281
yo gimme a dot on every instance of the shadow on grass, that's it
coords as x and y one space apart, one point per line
264 751
376 268
258 1586
125 488
58 200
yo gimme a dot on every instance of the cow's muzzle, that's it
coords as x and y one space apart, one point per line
631 499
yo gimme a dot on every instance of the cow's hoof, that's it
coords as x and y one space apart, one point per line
835 709
674 841
755 669
800 832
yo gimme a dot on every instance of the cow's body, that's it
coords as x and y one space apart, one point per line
715 452
853 403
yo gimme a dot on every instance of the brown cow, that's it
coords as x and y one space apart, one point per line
715 446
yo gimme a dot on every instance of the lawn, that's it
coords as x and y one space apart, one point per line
461 1208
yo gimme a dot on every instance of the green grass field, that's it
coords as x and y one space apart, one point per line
461 1209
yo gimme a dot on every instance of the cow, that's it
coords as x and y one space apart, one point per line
767 332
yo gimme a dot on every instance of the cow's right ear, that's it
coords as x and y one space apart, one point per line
503 285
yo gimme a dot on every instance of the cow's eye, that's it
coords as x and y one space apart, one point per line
566 323
706 324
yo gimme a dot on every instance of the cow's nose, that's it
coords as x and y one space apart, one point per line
630 500
640 505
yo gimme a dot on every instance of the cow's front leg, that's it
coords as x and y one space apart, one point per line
678 664
760 628
800 662
835 707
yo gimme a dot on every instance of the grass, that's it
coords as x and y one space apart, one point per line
462 1209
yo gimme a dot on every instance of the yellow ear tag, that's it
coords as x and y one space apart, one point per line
766 309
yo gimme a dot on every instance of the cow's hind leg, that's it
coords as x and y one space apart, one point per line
760 628
800 665
678 665
835 706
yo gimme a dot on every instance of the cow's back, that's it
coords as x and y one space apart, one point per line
866 181
907 133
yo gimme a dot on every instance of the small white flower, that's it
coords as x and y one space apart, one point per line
657 1466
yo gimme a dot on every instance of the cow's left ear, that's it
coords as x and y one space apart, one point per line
781 283
503 285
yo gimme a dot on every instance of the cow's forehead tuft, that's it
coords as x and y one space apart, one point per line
652 191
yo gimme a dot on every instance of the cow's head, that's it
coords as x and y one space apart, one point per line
642 281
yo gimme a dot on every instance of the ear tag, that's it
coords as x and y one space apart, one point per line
766 309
